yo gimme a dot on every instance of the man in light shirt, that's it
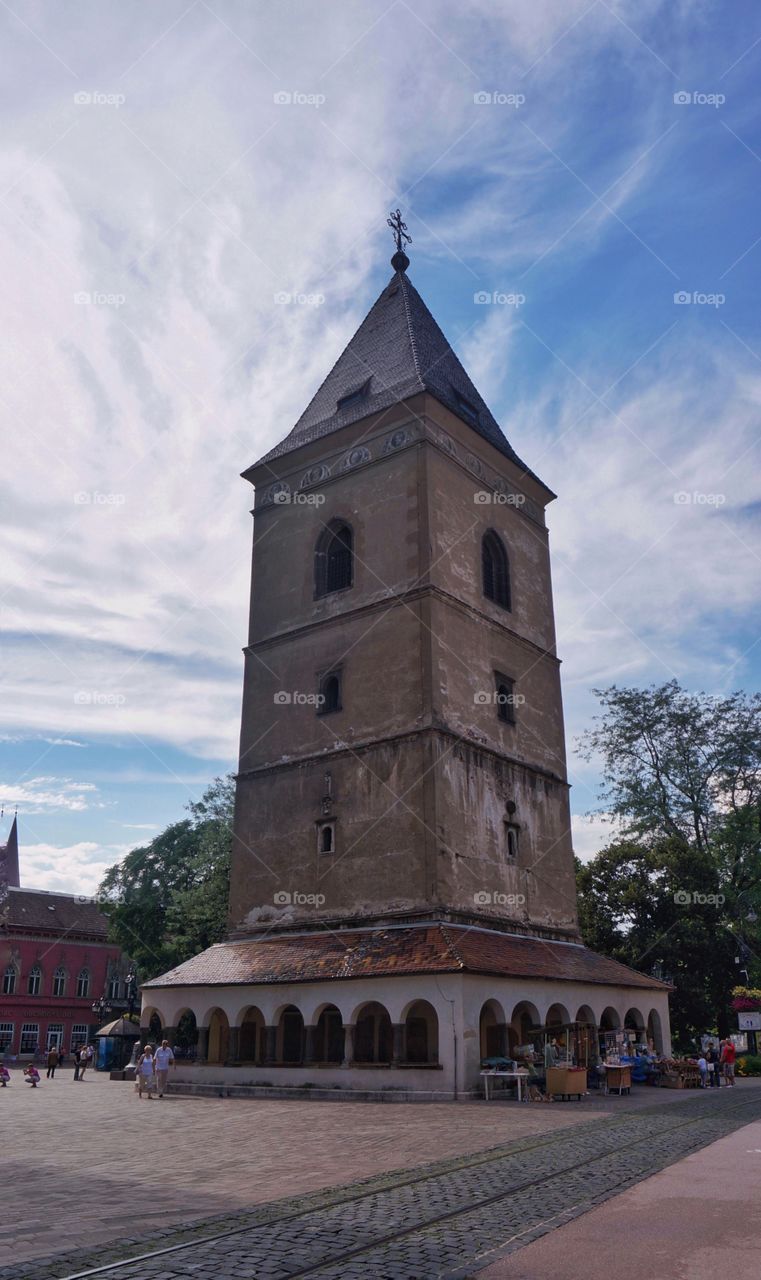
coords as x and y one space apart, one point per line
162 1058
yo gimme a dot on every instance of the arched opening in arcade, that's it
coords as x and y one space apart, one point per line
655 1031
219 1037
525 1018
421 1033
329 1036
373 1037
186 1035
491 1030
290 1036
251 1036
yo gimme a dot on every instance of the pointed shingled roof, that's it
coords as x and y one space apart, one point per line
397 352
9 861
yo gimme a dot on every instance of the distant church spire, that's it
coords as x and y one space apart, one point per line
9 863
400 261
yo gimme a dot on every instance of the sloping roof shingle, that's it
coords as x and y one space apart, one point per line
401 349
41 912
372 953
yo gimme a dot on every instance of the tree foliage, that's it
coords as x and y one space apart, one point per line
168 899
681 889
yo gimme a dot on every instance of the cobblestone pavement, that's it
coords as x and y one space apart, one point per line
444 1220
77 1158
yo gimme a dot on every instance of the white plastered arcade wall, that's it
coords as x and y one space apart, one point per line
456 998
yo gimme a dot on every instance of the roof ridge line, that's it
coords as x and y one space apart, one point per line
408 317
452 945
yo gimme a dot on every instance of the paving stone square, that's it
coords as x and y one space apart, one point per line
79 1158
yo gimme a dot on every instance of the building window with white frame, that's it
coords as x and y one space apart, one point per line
114 987
34 982
59 981
30 1037
54 1038
9 980
78 1035
83 984
6 1036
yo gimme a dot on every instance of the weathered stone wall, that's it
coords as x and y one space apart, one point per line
422 770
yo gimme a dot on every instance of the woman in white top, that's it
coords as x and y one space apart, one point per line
145 1072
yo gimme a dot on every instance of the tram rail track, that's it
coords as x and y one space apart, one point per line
608 1145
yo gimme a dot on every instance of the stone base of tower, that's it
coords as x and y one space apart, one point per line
402 1011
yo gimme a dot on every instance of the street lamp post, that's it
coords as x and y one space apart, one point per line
130 983
101 1008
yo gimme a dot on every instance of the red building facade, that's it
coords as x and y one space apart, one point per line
55 961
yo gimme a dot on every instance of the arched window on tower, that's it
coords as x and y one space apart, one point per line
495 569
333 559
330 693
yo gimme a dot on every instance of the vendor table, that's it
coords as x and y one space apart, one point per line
618 1078
520 1076
566 1082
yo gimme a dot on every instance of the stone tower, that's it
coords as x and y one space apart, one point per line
402 748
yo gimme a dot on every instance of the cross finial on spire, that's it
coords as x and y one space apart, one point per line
400 261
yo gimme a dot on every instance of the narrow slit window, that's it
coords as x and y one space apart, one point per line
495 569
504 697
334 559
330 693
326 837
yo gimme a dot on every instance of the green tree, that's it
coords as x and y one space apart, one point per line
633 906
168 900
682 778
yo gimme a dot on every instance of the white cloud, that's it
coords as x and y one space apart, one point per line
189 207
49 794
73 868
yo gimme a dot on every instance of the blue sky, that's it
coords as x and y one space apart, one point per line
155 196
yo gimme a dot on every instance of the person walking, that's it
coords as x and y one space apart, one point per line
728 1056
703 1069
164 1058
82 1061
52 1061
61 1056
145 1072
77 1061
